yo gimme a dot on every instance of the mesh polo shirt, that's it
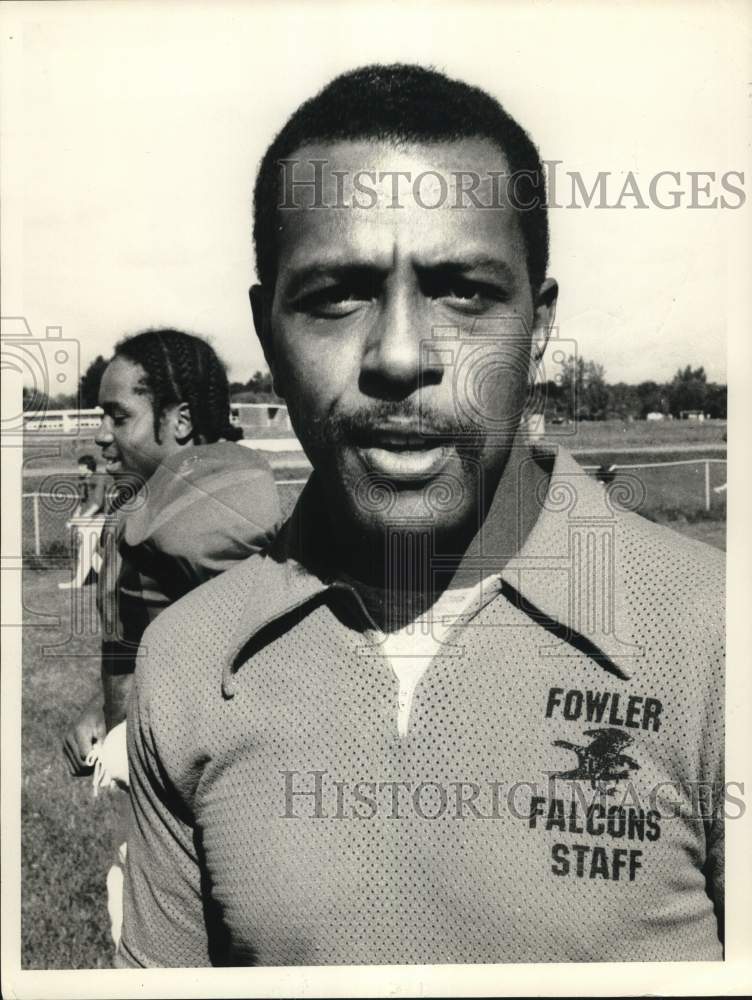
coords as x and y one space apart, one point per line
542 805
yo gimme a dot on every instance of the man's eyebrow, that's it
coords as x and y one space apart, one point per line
298 278
464 264
343 270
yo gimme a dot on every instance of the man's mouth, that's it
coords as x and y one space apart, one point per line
403 452
112 463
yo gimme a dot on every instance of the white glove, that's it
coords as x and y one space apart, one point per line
110 760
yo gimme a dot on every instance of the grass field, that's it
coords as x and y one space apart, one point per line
636 433
65 832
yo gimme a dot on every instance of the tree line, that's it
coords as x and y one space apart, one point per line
582 393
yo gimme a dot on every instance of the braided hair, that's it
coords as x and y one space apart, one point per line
180 368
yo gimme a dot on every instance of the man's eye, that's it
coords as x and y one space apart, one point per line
119 420
469 296
337 300
331 302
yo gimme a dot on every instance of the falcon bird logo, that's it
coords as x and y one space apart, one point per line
601 762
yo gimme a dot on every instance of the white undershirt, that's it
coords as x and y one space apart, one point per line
411 649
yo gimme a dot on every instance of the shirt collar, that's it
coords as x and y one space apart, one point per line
569 575
292 574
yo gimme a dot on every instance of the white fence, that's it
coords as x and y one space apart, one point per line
62 421
702 465
74 421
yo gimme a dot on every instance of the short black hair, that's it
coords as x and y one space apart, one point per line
89 461
182 368
404 103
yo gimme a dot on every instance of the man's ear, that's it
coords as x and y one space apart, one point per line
181 424
261 308
544 314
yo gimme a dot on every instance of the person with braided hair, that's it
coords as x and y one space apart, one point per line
198 504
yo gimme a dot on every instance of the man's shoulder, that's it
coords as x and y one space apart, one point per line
207 458
177 702
216 502
223 471
649 550
182 658
657 552
675 586
208 614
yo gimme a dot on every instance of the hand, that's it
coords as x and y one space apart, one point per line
80 738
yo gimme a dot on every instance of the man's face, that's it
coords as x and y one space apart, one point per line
126 434
84 471
401 337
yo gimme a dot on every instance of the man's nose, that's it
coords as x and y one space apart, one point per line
103 435
396 361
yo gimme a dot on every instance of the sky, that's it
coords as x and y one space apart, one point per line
132 133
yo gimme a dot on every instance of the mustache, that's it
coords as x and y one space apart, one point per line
358 426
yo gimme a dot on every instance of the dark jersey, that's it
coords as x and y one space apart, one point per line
201 512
